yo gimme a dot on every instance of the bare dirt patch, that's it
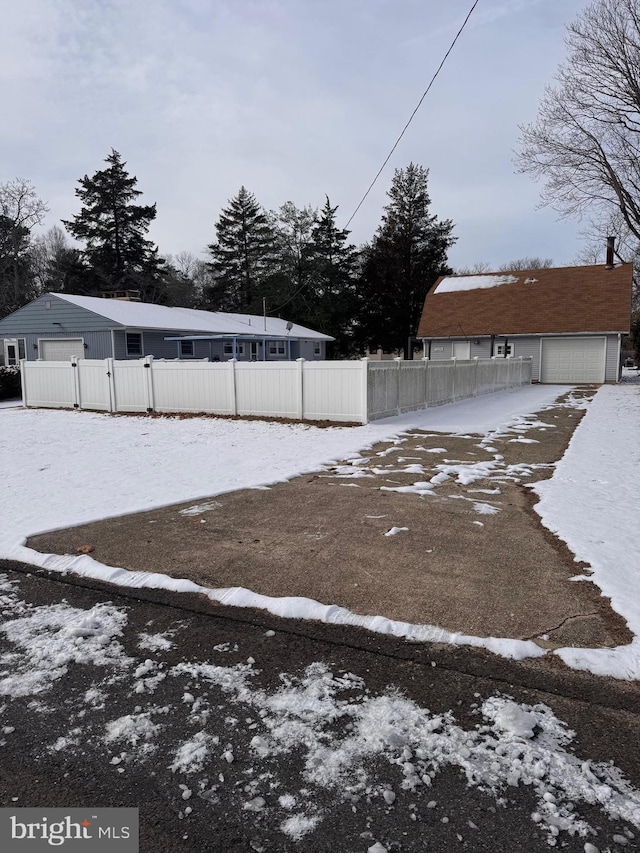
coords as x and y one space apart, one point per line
473 557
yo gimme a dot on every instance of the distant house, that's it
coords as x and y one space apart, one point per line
56 326
569 320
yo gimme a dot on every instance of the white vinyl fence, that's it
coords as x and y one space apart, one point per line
341 391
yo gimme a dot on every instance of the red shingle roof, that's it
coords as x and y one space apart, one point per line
557 300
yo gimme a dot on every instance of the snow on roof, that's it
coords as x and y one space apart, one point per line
454 283
143 315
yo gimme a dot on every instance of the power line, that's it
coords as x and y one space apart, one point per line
425 93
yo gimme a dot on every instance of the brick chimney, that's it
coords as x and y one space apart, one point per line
610 244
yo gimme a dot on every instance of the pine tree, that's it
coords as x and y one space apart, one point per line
333 261
404 260
113 229
243 257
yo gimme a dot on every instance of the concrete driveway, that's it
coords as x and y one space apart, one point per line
465 551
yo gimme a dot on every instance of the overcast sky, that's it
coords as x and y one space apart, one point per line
293 99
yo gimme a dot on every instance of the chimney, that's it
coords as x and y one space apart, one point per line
610 244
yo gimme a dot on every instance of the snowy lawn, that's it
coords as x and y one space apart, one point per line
68 468
592 502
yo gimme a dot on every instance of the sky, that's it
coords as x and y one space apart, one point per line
293 99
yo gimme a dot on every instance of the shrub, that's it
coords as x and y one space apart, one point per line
10 383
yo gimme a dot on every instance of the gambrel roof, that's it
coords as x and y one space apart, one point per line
557 300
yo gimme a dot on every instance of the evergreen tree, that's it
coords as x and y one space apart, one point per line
113 229
402 263
333 262
243 257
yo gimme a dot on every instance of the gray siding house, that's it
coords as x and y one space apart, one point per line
569 320
57 326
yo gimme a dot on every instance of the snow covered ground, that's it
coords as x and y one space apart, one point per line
67 468
592 502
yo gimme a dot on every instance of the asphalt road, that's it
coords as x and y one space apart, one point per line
59 745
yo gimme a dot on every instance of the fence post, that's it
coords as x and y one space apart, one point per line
232 386
425 384
475 377
365 390
398 360
453 382
111 383
23 381
300 383
148 368
76 382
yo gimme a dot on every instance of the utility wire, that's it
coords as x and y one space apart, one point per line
426 92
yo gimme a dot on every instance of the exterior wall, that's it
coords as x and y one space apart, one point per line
441 349
36 315
98 343
306 350
528 347
154 343
612 364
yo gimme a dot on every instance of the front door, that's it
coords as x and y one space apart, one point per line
461 349
13 351
255 350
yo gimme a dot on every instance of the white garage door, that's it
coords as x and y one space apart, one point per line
61 349
573 360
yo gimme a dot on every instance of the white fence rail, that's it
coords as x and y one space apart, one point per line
341 391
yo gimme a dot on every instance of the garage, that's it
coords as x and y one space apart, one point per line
61 349
573 359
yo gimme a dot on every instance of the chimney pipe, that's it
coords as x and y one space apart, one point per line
610 244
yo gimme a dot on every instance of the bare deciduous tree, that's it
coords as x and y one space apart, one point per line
20 204
534 263
510 266
585 142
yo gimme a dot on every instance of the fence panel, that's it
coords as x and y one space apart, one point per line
267 388
93 384
333 390
201 387
382 389
412 386
441 385
49 383
465 379
486 375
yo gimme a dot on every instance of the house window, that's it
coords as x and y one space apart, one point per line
276 348
500 350
317 349
227 348
186 348
134 343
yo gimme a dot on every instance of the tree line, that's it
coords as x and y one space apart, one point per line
296 262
